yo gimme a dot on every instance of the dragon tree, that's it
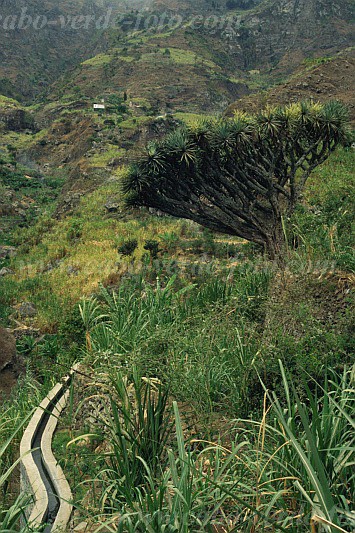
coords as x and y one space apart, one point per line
240 176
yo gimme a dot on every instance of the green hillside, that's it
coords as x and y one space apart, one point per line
215 385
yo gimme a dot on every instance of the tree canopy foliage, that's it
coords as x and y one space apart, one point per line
240 175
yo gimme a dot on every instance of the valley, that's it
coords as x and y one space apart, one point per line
240 359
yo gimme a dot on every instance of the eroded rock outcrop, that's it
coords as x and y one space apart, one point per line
16 119
11 364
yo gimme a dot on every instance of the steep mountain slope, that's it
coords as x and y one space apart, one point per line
180 69
198 6
277 33
250 34
39 39
203 63
322 79
280 33
152 75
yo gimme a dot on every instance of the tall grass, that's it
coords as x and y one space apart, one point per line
170 495
302 455
290 471
139 426
173 331
12 518
129 314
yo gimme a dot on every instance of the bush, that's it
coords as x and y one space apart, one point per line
153 248
75 230
72 329
128 247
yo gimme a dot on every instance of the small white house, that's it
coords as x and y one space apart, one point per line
99 106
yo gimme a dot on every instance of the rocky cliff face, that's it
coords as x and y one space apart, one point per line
279 34
15 119
283 32
11 365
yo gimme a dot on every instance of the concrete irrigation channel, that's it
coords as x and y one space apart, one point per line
41 476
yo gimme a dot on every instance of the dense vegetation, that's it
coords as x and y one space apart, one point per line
289 470
215 390
227 356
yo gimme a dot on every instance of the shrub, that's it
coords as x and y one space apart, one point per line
128 247
75 230
153 248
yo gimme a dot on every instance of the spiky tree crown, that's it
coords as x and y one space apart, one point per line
238 175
